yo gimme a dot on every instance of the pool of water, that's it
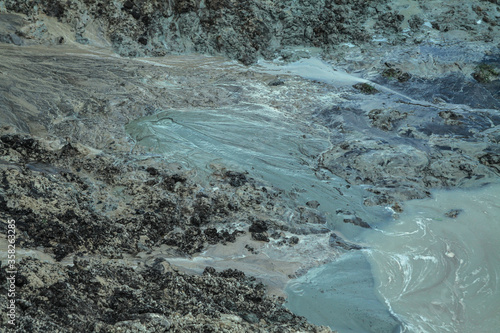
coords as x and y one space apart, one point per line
439 273
435 273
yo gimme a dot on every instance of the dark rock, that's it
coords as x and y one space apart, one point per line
485 73
453 213
337 241
236 179
251 249
385 119
128 5
394 73
152 171
260 236
450 117
54 9
143 40
390 20
491 159
136 13
357 221
276 82
415 22
104 296
313 204
365 88
68 150
170 182
259 226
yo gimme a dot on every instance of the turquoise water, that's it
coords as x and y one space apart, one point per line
434 273
342 295
280 152
442 274
423 272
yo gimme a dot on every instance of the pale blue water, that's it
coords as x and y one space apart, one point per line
435 273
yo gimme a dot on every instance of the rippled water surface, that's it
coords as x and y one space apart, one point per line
442 274
435 273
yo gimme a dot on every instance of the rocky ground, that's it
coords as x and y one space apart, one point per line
68 198
85 194
246 31
95 296
79 187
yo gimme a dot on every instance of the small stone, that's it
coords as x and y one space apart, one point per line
337 241
276 82
258 226
313 204
397 208
260 236
293 240
236 179
453 213
357 221
365 88
250 317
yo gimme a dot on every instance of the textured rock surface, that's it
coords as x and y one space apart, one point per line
69 199
248 30
239 29
99 296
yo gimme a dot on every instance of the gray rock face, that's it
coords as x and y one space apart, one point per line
238 29
248 30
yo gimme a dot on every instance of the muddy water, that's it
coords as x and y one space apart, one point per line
435 273
261 141
442 274
422 272
277 151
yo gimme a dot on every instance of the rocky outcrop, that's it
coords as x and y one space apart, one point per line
447 149
96 296
99 210
238 29
69 199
